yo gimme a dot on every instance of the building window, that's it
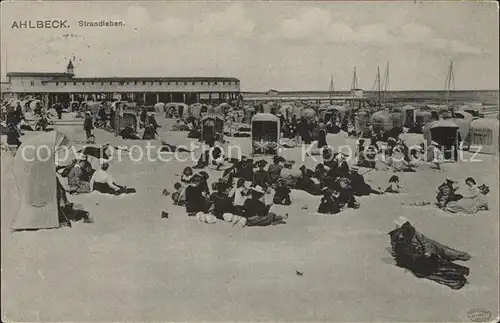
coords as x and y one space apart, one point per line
83 83
168 83
110 83
176 83
152 83
57 83
185 83
160 83
215 83
74 83
65 83
135 82
143 83
92 83
102 83
194 83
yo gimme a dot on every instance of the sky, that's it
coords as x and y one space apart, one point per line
267 45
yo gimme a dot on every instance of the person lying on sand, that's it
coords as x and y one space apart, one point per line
171 148
427 258
103 182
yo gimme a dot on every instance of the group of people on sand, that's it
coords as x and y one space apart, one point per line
16 123
471 201
249 188
239 202
82 178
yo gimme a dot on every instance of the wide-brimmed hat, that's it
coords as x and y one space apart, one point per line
258 189
261 162
433 143
448 179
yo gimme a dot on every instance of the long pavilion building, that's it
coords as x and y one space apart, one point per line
65 87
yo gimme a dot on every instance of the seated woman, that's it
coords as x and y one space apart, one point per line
472 202
221 202
328 204
178 197
76 179
307 183
256 212
195 201
102 182
129 133
282 193
346 196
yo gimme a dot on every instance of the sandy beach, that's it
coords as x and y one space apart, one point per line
131 265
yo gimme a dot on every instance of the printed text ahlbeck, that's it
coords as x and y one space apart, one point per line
49 23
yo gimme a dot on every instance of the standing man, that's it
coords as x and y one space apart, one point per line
88 125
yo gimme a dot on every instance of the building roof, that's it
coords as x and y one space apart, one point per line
154 79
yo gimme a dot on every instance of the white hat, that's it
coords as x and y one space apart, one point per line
400 221
258 189
433 143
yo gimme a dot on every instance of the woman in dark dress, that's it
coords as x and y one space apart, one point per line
256 212
221 202
195 202
328 204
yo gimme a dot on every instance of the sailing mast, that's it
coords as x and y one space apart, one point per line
378 86
450 81
331 90
386 84
354 80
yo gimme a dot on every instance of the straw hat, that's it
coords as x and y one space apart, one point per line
258 189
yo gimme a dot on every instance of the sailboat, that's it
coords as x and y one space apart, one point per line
382 87
385 86
355 90
450 83
376 88
331 90
449 86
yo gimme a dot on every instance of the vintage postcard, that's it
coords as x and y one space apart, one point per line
249 161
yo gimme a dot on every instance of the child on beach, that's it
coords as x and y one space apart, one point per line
393 186
186 176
